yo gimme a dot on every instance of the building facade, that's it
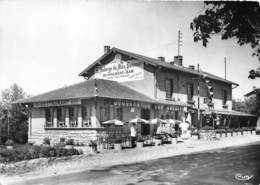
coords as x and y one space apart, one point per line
123 85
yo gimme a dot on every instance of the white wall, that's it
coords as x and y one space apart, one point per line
38 120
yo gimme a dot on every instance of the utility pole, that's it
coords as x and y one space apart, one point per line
8 124
225 61
179 41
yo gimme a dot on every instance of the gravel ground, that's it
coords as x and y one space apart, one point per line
127 156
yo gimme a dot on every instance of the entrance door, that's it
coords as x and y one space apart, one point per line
145 128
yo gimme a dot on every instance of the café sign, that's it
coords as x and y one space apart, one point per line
121 71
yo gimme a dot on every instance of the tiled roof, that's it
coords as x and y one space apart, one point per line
156 62
86 89
252 92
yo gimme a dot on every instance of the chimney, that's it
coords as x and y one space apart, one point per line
192 67
106 49
178 60
162 59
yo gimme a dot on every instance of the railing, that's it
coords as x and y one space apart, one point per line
211 105
48 124
73 123
191 102
61 124
225 106
86 123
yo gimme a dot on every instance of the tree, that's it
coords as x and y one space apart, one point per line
250 105
229 19
13 117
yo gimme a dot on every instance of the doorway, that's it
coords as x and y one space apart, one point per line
145 128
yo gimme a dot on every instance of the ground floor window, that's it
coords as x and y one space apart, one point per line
61 117
48 117
86 116
73 117
119 113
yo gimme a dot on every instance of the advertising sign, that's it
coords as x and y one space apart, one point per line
121 71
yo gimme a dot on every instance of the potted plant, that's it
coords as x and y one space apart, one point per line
244 131
253 131
174 138
218 133
139 142
118 144
229 132
223 132
194 135
93 145
69 144
158 140
9 144
46 142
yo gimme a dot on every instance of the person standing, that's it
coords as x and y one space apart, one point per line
133 134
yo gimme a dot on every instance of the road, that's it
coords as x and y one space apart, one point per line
230 166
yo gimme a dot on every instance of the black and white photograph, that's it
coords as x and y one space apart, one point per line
129 92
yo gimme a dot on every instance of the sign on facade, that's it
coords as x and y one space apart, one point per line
57 103
121 71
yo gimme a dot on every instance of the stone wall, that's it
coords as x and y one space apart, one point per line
82 136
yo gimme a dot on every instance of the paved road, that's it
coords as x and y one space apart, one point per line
231 166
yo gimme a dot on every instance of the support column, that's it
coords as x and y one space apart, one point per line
111 112
67 119
55 119
79 117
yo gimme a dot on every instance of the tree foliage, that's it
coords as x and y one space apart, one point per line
250 105
13 115
229 19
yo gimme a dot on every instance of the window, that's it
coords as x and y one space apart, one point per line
86 116
48 117
59 114
190 91
224 97
71 113
84 112
176 113
169 88
119 113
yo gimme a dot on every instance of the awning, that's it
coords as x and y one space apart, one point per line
229 112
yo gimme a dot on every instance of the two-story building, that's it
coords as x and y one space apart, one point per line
123 85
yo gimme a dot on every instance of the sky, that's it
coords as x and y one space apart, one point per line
45 44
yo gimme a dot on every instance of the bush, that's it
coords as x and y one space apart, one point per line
46 141
158 137
139 139
118 141
92 143
62 140
70 142
207 128
27 152
9 142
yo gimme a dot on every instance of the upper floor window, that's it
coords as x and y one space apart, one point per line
224 97
190 91
169 88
